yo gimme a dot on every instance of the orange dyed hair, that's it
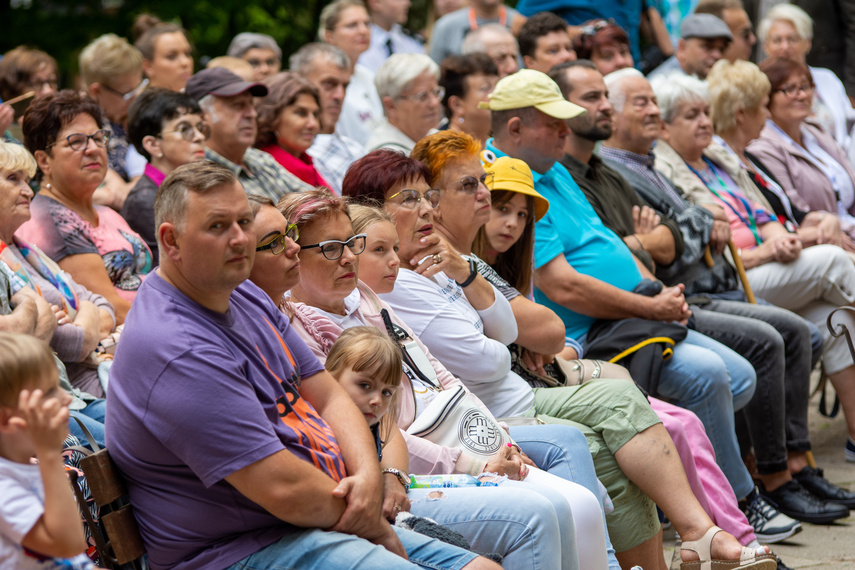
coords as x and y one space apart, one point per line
438 150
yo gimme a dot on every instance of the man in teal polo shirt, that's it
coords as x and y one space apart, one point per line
584 271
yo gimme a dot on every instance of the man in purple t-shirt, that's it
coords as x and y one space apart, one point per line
238 447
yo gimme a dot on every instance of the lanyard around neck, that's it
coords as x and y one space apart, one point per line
503 17
751 222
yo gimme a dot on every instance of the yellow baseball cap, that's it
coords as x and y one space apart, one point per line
513 175
530 88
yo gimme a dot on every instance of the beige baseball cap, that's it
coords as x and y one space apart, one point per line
530 88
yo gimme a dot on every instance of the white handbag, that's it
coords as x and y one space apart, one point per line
453 419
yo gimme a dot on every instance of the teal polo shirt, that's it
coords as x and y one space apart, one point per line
572 228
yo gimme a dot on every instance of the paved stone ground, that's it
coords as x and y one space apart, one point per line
829 547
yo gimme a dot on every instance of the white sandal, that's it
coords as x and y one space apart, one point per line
749 559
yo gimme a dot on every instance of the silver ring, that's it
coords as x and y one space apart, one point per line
397 508
437 258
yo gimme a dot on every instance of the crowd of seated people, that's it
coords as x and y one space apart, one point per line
468 300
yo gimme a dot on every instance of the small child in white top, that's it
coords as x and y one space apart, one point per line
40 526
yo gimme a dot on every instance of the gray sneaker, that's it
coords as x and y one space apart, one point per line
770 525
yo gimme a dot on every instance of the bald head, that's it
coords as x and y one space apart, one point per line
498 42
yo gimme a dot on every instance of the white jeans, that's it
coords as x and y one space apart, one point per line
819 281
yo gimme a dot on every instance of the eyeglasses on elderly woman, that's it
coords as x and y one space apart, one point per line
411 197
333 249
188 130
79 141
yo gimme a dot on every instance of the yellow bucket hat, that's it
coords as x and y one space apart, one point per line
513 175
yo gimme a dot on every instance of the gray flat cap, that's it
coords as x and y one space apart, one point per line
704 26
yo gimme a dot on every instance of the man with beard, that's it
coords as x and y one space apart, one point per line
774 340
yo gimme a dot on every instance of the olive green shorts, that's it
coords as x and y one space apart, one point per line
609 413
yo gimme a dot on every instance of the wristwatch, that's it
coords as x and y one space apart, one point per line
473 273
403 478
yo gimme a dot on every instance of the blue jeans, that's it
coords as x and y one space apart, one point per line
315 549
711 380
92 416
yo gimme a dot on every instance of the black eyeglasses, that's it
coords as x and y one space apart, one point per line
79 141
130 94
792 91
278 244
470 184
188 131
333 249
413 197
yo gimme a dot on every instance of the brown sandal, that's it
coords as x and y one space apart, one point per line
749 558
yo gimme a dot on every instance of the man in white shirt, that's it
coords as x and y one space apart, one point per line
387 34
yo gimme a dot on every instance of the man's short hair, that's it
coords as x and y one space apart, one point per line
560 78
170 203
499 119
107 58
614 83
474 40
717 7
246 41
301 61
535 28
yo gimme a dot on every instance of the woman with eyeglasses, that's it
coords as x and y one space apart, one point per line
531 526
466 321
288 121
408 85
167 128
94 244
468 80
787 32
802 158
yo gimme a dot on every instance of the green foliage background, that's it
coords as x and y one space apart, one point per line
63 27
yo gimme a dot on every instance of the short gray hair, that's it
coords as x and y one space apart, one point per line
246 41
474 40
170 202
399 70
787 13
301 61
614 83
675 89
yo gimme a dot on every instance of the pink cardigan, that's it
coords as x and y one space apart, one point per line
807 187
319 333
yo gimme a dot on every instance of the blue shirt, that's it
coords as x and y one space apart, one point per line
572 228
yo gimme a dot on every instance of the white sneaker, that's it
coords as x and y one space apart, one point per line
770 524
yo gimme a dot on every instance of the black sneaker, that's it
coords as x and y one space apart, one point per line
770 525
782 566
812 480
797 502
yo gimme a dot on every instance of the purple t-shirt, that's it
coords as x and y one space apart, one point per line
195 396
